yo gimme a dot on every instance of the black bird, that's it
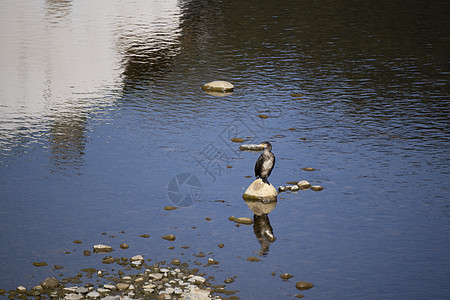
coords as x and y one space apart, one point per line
265 163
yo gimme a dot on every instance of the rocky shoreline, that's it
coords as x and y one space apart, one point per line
156 281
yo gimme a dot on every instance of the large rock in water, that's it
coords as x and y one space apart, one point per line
218 86
259 190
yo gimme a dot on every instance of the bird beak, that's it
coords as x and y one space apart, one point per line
263 145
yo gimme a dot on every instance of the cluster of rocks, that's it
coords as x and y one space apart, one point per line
301 185
152 282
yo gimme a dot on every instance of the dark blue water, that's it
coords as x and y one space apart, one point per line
358 91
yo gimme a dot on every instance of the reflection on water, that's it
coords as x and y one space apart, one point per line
71 60
261 223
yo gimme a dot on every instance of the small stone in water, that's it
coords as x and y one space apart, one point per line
303 285
77 242
102 248
281 189
253 258
170 207
316 188
176 262
263 116
21 289
237 140
246 221
286 276
169 237
221 245
145 235
124 246
40 264
308 169
229 280
303 184
137 257
208 219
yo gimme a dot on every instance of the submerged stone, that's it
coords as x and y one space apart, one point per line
303 285
237 140
253 258
316 188
169 237
308 169
170 207
286 276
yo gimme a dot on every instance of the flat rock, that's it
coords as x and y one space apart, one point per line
197 279
73 297
259 190
82 290
93 295
109 287
137 257
102 248
244 220
218 86
122 286
196 294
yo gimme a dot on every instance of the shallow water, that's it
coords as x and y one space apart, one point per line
101 107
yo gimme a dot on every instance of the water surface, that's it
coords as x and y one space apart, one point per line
101 107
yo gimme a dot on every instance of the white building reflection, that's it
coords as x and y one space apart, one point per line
62 60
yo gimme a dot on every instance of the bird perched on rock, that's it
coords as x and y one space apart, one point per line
265 163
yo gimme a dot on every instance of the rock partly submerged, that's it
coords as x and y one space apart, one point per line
102 248
218 88
251 147
259 190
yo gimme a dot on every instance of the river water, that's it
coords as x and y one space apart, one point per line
102 118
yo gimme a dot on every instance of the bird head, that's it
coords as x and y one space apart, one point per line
266 145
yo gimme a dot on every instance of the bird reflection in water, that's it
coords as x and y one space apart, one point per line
261 223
